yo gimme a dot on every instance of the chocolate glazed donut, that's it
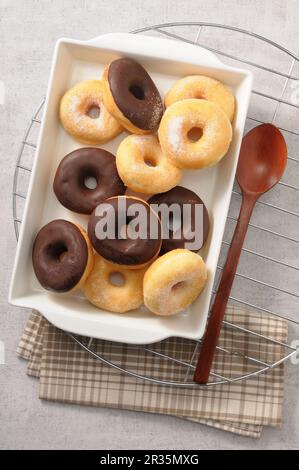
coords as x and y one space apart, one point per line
177 238
60 256
72 172
135 94
128 252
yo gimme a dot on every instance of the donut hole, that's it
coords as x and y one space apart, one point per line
116 279
150 161
90 182
88 177
137 92
57 251
200 96
93 111
126 232
178 286
174 222
194 134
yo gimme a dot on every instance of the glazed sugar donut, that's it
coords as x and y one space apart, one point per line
200 86
143 167
84 116
185 116
131 96
193 221
173 282
113 236
73 172
103 293
62 256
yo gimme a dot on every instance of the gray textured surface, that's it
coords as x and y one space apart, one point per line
28 31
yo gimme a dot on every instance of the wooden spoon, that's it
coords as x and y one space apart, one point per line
261 164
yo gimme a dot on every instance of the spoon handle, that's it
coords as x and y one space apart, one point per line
212 333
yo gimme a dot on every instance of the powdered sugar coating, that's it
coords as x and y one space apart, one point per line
180 118
175 128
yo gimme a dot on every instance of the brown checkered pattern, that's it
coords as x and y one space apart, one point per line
69 374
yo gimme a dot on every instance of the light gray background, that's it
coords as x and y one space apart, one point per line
28 31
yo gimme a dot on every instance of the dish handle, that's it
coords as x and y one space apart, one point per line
113 40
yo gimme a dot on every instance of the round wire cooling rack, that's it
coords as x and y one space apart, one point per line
269 266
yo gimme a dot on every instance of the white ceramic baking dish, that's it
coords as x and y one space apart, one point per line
166 61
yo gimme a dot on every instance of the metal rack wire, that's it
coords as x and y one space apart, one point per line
281 108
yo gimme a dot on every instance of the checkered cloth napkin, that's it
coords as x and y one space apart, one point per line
69 374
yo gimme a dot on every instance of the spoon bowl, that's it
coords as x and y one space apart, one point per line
262 159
